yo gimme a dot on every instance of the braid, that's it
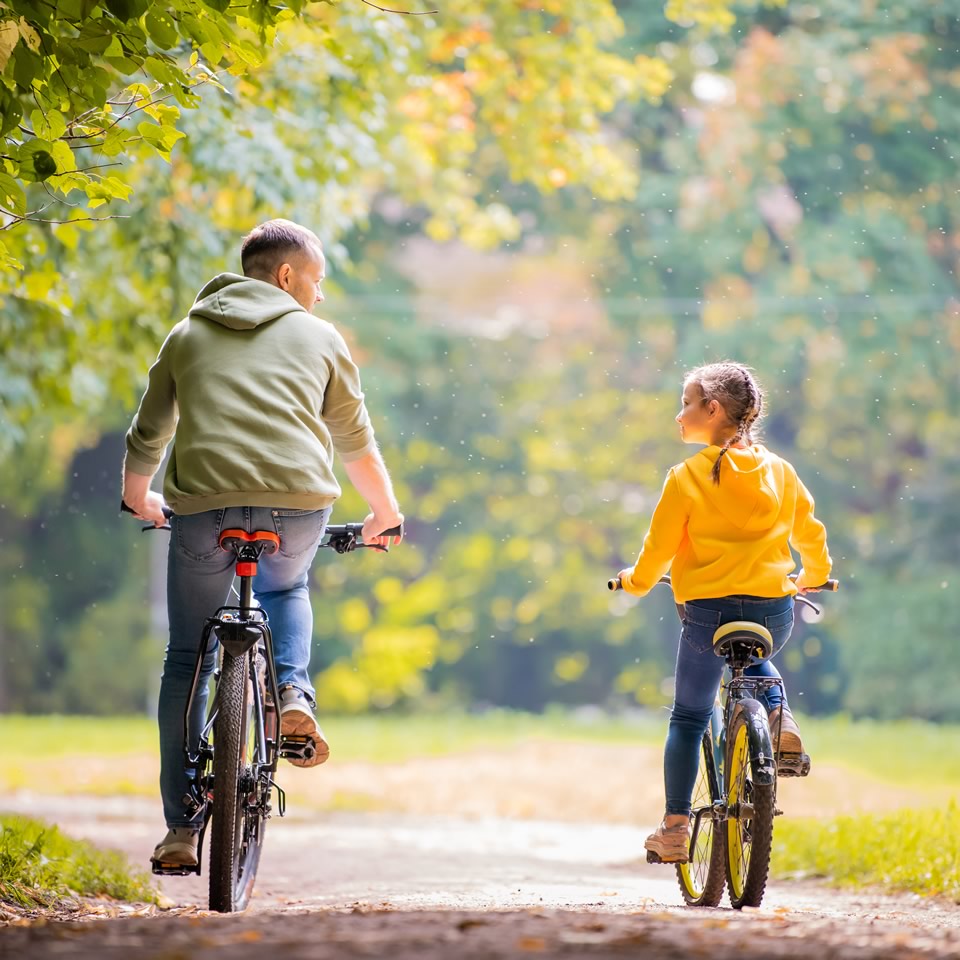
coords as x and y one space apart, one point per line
715 472
733 386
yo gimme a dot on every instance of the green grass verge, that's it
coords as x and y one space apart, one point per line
39 865
909 850
907 752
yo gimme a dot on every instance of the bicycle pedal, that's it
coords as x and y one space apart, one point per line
653 857
173 869
793 765
295 747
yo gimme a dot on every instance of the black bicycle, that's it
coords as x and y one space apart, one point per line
734 798
232 769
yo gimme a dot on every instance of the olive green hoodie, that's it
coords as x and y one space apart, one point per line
259 393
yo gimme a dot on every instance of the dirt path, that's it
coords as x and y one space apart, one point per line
371 885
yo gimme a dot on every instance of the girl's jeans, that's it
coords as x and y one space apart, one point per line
199 575
698 680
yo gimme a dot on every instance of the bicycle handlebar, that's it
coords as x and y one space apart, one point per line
343 537
831 585
167 512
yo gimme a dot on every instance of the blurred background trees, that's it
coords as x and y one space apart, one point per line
538 217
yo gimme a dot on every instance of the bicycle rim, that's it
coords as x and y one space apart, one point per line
702 879
749 837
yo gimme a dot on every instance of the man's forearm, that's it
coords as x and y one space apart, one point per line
136 486
369 475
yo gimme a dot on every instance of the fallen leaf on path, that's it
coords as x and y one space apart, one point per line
532 944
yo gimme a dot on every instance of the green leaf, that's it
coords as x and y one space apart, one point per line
162 71
49 125
75 9
162 29
150 131
219 5
36 160
12 195
127 9
64 157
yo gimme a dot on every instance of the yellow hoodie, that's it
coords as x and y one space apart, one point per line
735 537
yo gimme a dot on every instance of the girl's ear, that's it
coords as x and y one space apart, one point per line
713 408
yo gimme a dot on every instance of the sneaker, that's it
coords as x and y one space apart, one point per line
297 720
783 725
669 844
178 847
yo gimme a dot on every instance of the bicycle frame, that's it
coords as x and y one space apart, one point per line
738 693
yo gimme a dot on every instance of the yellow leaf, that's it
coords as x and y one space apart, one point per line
30 36
9 37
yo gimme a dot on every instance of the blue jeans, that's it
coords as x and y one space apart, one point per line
698 680
199 576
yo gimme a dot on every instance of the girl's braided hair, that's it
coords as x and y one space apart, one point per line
734 387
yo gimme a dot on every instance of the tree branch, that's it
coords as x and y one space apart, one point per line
28 218
405 13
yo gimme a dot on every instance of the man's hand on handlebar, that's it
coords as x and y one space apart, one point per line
151 509
374 524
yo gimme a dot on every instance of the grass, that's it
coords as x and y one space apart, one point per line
118 755
909 850
905 752
39 865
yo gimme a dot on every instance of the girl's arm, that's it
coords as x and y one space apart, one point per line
809 538
668 526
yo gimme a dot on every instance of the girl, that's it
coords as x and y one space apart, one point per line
724 525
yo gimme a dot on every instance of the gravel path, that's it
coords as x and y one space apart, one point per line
358 886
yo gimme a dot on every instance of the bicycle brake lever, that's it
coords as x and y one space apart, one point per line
799 599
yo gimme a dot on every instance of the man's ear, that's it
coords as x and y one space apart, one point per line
284 272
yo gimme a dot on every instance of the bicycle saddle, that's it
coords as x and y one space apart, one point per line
743 636
234 539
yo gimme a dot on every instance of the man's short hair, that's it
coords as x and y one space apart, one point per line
272 243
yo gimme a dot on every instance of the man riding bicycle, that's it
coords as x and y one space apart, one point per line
257 394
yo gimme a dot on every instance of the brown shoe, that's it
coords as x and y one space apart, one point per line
669 844
783 725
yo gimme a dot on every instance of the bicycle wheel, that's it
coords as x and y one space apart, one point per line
701 880
750 809
236 831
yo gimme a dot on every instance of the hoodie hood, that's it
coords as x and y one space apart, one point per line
242 303
750 491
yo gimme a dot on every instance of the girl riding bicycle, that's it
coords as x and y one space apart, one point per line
724 525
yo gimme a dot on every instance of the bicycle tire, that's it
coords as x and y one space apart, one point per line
749 841
231 875
703 878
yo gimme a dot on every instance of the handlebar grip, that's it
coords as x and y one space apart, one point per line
614 584
832 585
393 532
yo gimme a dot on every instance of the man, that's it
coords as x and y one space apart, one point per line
257 394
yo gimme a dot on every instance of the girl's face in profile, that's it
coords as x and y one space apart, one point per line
698 417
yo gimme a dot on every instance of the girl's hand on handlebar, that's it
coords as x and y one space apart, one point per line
374 525
151 509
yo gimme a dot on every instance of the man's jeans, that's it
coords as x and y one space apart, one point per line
199 575
698 679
